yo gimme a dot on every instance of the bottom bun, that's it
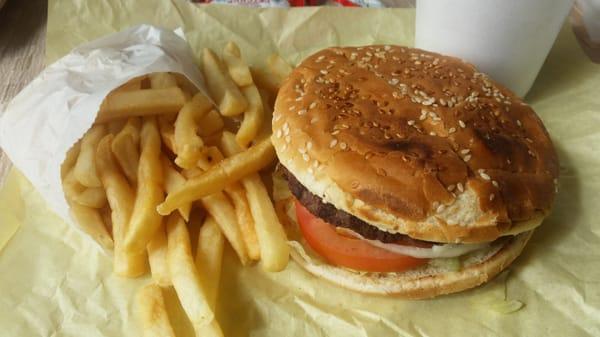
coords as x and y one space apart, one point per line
420 283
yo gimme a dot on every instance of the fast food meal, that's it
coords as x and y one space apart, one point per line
160 149
411 173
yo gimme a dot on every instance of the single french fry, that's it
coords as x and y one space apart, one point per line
93 197
157 256
186 280
70 159
141 103
264 80
172 181
125 147
221 209
253 117
209 257
242 211
221 87
278 68
85 167
167 131
90 221
220 175
152 312
133 84
162 81
121 198
144 218
238 69
188 145
210 124
274 250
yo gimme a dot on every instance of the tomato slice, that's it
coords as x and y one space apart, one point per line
349 252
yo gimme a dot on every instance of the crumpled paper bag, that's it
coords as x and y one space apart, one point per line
54 282
54 111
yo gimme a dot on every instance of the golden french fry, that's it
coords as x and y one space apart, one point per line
144 218
172 181
157 256
167 131
162 81
94 197
209 257
242 211
238 69
274 250
221 87
253 117
152 312
121 198
85 167
90 221
212 156
220 175
185 84
125 147
133 84
221 209
185 278
188 145
70 160
278 68
211 124
141 103
265 81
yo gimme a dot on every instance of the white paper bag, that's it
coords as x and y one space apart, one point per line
56 109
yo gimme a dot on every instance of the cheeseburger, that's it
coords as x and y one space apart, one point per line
411 173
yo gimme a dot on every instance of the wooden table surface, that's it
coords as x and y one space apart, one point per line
22 49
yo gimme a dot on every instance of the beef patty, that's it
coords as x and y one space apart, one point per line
339 218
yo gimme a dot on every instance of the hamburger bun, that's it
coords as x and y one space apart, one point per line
416 143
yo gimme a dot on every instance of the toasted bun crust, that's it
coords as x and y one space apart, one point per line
415 142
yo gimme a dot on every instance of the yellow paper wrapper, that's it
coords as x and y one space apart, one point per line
54 281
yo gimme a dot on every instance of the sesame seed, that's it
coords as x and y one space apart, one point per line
284 147
301 112
432 133
288 139
394 81
278 134
467 158
313 120
324 72
422 117
286 132
492 196
292 107
440 208
465 151
451 187
452 130
484 175
312 105
305 157
460 187
333 143
461 123
302 150
519 123
309 145
411 122
320 58
335 132
310 170
343 145
298 99
387 48
435 204
495 183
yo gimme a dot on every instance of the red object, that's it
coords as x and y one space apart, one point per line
349 252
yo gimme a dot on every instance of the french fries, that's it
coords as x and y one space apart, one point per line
85 167
162 81
209 257
220 208
144 102
242 211
144 218
188 145
152 312
278 68
220 175
157 257
238 69
116 177
274 250
221 87
253 117
125 147
172 181
186 281
121 198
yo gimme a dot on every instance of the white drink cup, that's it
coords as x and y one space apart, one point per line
507 39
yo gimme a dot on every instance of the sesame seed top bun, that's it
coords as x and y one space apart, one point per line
416 143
